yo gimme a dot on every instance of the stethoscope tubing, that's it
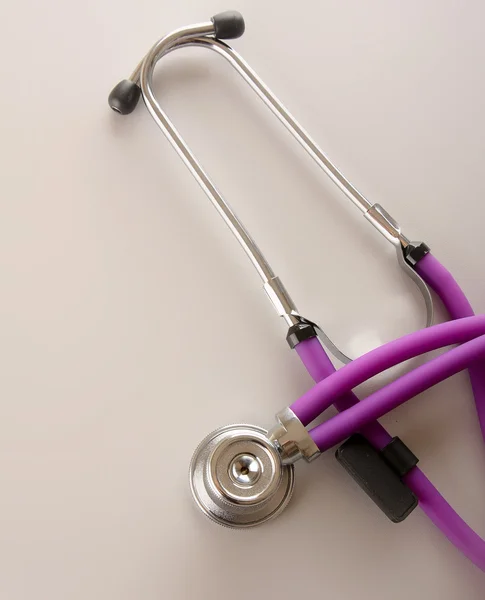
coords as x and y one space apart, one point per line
433 504
462 331
457 305
342 426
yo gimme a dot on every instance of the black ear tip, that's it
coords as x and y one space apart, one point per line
124 97
228 25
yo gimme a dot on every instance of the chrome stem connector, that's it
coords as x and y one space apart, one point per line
292 439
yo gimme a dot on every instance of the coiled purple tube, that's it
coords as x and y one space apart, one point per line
320 397
340 427
457 305
320 368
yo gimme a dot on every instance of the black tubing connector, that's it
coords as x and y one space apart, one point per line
124 97
415 252
228 25
299 333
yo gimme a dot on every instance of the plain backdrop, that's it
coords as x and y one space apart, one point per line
132 324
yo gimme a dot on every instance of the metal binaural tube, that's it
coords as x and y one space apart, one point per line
143 75
145 81
124 97
183 39
284 115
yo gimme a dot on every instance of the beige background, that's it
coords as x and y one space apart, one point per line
132 324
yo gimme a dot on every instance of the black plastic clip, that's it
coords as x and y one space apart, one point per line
379 473
399 457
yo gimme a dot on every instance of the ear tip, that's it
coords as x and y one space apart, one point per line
228 24
124 97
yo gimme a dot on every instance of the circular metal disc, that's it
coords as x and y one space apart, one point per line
237 478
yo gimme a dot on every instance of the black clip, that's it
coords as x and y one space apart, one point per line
379 473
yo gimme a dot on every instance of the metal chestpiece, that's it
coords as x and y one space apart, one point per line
243 475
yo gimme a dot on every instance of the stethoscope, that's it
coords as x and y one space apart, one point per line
243 475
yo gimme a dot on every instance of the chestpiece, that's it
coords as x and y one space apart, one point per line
237 477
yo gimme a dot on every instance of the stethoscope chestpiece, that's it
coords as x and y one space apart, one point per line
237 477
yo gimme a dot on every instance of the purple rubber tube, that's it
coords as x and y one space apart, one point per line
457 305
319 366
340 427
321 396
431 501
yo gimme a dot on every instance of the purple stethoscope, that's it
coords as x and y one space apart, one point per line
243 475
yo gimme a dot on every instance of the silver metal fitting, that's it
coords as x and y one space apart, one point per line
281 300
237 477
386 225
292 439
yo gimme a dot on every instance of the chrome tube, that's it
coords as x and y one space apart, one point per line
256 83
204 35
